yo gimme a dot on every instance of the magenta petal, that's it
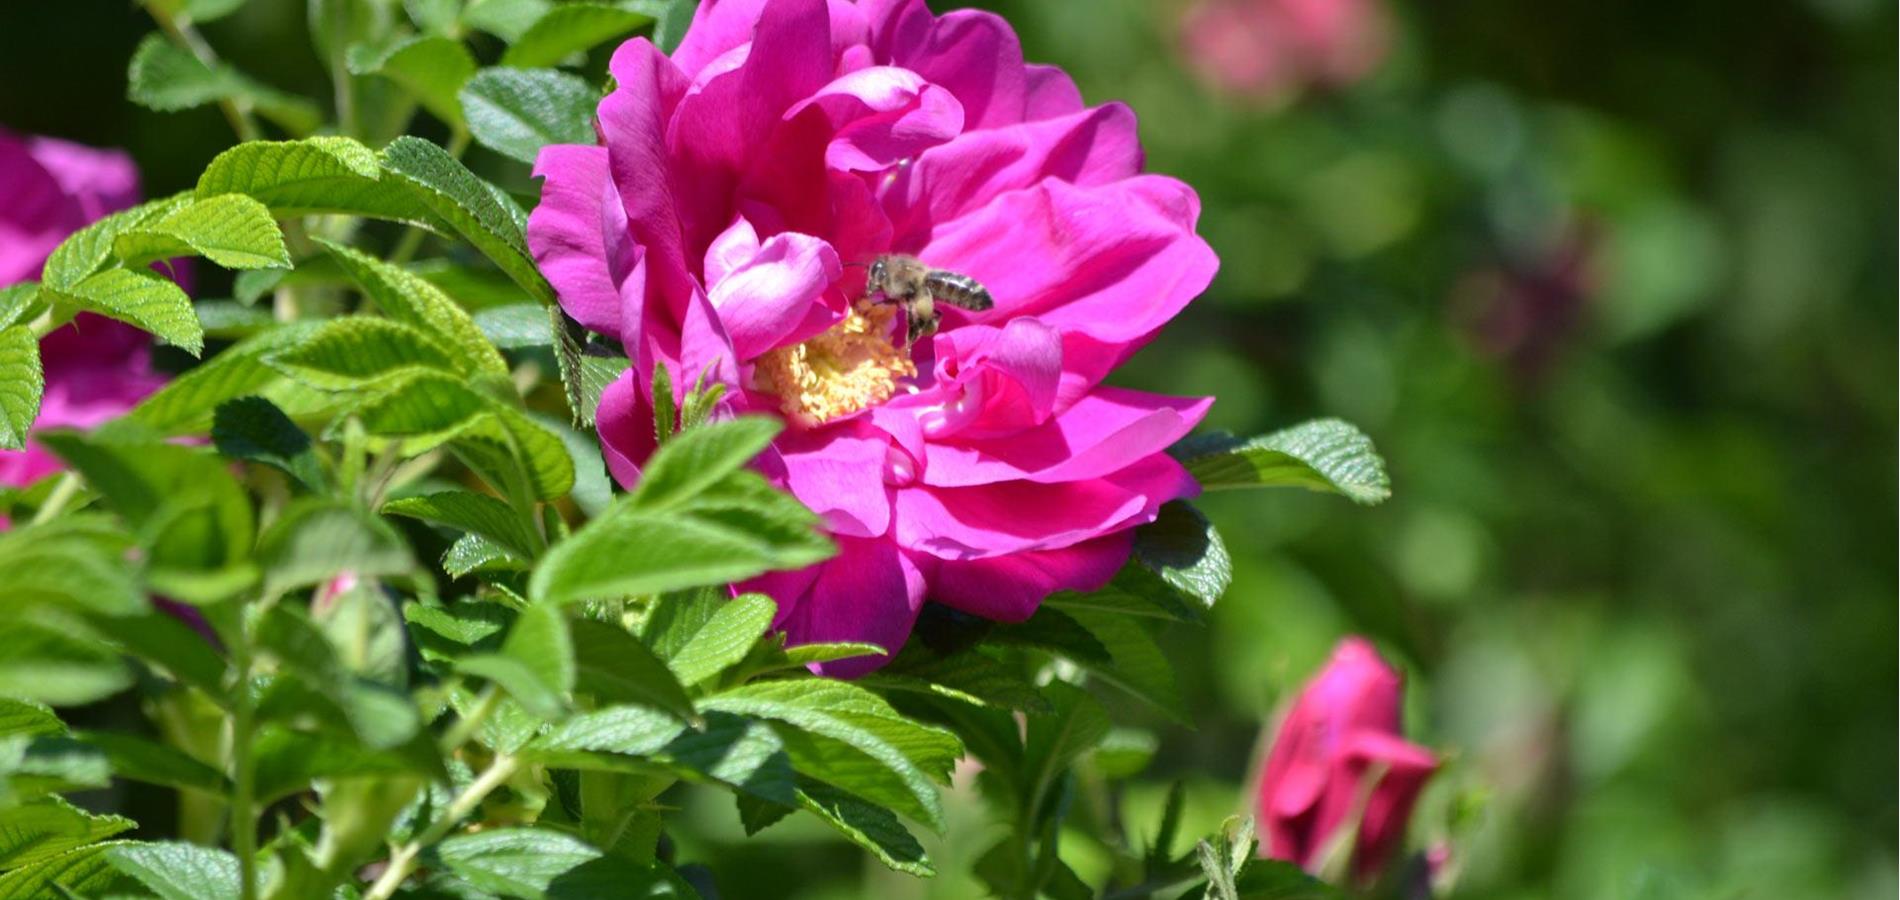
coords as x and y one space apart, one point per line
578 234
719 26
1009 588
839 473
1087 147
1010 517
881 115
1006 379
624 421
1048 92
1105 431
765 299
1113 262
974 54
869 593
101 181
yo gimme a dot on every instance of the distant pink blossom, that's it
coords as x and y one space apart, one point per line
1341 770
1267 49
95 368
725 223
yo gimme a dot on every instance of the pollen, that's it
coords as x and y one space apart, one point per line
851 366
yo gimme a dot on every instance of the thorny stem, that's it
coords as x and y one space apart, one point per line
403 861
236 112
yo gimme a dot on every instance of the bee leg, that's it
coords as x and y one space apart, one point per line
922 325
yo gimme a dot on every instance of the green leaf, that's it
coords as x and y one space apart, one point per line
168 78
869 826
186 404
47 828
187 509
48 664
1054 742
724 639
432 69
357 352
571 28
20 303
73 567
516 326
1272 879
701 457
616 668
87 250
516 112
971 676
435 16
1178 554
744 754
316 175
536 663
505 19
141 298
841 735
670 30
254 429
315 540
233 230
1325 455
160 639
82 872
473 207
141 760
587 366
288 762
27 718
472 553
20 385
738 530
444 632
541 864
229 320
407 297
376 714
426 410
473 513
179 871
1136 664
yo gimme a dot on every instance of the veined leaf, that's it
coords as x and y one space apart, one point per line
505 19
168 78
25 718
838 739
179 871
516 112
541 864
429 409
21 384
701 457
140 298
409 298
473 513
83 872
1322 455
47 828
588 367
725 638
432 69
536 662
20 303
254 429
617 669
141 760
868 825
474 208
315 175
186 404
355 352
571 28
87 250
232 230
745 754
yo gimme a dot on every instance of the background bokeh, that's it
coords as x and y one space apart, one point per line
1612 285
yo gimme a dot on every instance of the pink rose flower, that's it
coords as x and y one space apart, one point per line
725 223
1340 763
1267 49
96 368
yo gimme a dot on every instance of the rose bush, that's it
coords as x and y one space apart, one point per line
723 227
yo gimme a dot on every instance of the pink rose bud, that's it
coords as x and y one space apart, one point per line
1340 779
1266 49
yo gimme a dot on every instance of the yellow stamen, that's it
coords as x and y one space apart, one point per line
853 365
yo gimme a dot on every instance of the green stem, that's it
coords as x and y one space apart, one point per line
464 729
63 492
243 802
403 861
181 31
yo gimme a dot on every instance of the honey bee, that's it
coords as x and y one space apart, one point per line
913 284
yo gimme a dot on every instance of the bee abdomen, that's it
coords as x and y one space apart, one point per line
960 291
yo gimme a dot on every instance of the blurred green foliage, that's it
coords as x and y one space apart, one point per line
1612 285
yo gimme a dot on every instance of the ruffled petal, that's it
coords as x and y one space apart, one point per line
869 593
1104 432
1087 147
1003 380
578 234
839 473
992 520
974 54
1009 588
763 301
624 421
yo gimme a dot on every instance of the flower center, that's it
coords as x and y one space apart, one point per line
851 366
